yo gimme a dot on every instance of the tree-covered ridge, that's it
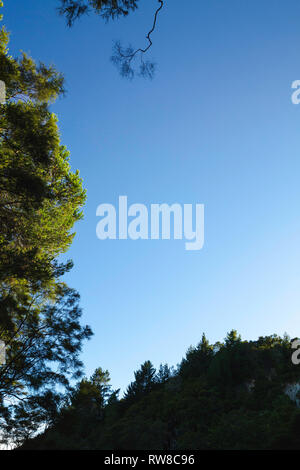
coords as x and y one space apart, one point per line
229 395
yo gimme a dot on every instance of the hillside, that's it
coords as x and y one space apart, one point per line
231 395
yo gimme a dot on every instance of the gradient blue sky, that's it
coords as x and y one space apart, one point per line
215 126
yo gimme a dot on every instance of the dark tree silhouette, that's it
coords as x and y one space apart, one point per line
107 9
129 60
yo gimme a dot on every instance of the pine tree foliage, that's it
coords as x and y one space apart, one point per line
106 9
40 200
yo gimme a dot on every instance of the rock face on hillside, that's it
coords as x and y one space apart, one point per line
292 391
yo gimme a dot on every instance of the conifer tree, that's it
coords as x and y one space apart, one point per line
40 200
144 381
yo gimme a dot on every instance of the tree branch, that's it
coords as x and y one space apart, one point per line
122 58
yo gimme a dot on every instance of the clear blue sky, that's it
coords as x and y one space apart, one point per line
216 126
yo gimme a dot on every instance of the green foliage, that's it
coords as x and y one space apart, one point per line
40 200
107 9
144 381
224 396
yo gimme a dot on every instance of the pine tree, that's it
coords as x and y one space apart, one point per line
40 200
143 383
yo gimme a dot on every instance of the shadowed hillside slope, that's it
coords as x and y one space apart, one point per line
232 395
